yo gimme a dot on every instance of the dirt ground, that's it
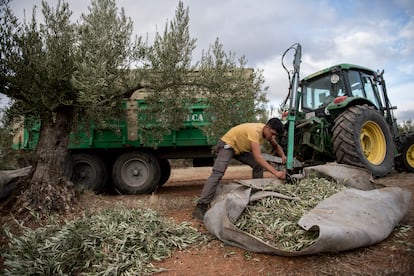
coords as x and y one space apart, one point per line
176 199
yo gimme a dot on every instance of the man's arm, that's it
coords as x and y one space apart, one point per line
257 154
278 148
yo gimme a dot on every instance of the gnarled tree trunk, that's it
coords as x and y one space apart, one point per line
47 188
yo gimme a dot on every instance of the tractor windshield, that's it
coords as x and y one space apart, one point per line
318 93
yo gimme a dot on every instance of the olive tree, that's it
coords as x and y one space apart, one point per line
60 72
55 71
37 67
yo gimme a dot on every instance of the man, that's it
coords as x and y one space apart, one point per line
243 143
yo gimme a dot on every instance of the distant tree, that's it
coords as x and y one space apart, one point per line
406 126
7 160
6 163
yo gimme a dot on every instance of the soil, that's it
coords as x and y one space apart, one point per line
176 199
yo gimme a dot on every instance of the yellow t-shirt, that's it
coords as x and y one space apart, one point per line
240 137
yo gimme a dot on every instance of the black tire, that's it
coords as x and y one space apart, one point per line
362 138
136 173
405 146
165 171
89 171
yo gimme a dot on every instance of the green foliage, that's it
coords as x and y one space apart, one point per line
37 61
168 77
59 64
233 92
104 56
113 242
91 65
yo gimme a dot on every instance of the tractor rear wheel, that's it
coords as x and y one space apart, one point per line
165 171
89 171
362 138
405 146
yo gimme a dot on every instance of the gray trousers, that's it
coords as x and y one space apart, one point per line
224 156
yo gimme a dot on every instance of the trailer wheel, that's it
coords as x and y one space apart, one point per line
136 173
405 147
165 171
89 171
362 138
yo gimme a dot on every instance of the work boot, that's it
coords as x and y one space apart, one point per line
200 210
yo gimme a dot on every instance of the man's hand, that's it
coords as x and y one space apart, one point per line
281 175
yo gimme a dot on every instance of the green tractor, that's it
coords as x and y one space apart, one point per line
343 114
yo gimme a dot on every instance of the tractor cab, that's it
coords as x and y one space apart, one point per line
328 92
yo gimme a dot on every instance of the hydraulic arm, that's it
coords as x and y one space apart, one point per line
293 105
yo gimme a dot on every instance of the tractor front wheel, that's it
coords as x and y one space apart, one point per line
362 138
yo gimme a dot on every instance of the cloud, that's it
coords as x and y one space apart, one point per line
404 115
402 97
276 78
379 36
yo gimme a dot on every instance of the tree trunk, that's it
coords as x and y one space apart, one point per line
47 188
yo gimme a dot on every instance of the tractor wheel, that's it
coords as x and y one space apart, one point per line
89 171
165 171
362 138
136 173
405 147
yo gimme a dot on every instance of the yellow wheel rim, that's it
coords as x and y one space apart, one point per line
409 156
373 142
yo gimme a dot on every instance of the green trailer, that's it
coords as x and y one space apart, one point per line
117 154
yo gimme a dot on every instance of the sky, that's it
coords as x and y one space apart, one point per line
378 34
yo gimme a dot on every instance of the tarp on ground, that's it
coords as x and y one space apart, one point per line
349 219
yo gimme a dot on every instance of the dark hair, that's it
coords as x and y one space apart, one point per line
275 124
